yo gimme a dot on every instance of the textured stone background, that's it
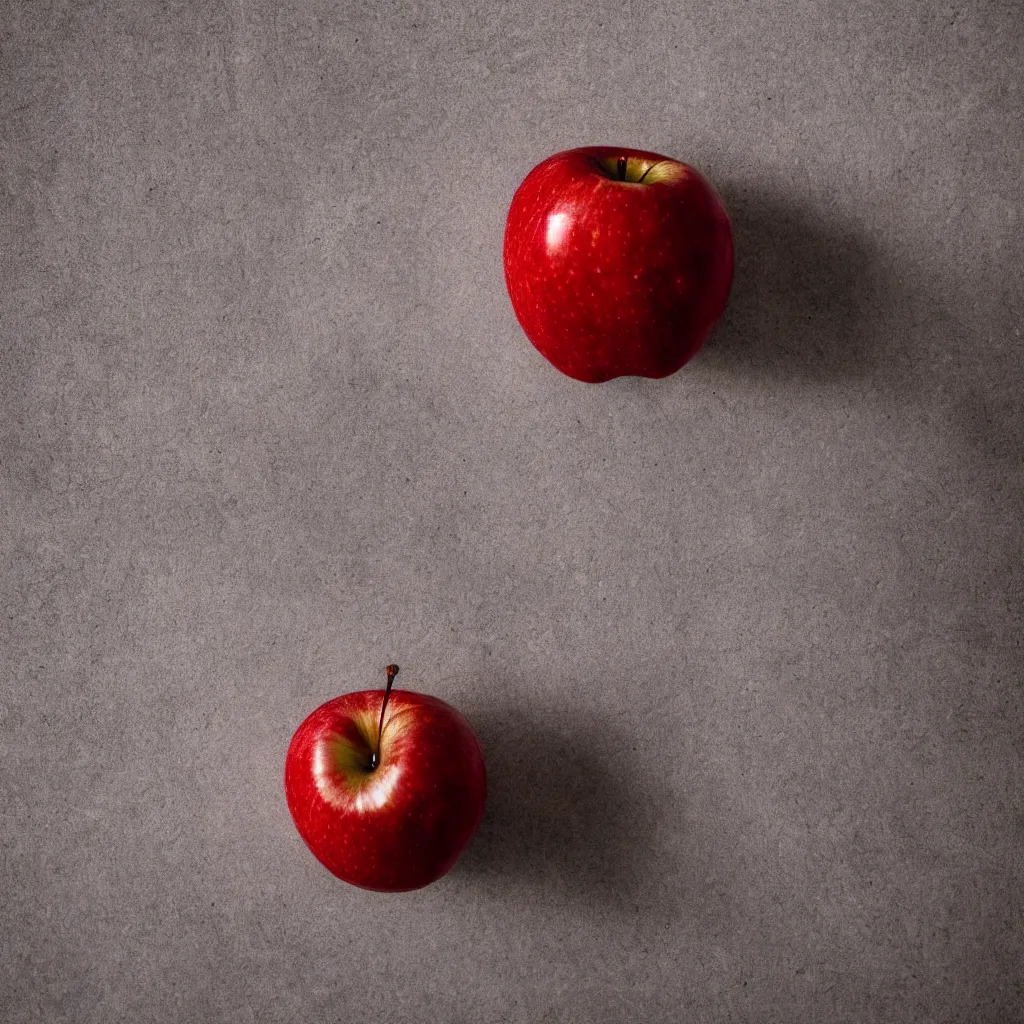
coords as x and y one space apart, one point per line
743 645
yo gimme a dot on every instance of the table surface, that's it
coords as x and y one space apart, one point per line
742 646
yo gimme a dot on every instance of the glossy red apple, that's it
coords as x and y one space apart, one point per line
386 786
617 261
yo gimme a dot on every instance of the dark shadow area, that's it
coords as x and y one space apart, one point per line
805 295
577 815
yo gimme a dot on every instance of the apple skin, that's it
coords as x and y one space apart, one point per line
403 824
612 277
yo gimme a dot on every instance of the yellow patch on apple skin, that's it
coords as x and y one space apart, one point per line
359 788
337 764
665 171
341 764
641 171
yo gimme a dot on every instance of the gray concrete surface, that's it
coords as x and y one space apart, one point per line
743 645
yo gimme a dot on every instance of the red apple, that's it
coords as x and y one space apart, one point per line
386 786
617 261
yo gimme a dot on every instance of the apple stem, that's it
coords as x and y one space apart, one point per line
622 168
392 671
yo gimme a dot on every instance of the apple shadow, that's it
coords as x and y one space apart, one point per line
806 289
576 815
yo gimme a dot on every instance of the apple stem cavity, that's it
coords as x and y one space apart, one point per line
392 671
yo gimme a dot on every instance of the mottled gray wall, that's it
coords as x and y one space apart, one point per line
743 645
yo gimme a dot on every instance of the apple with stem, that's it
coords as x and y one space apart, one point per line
617 261
386 787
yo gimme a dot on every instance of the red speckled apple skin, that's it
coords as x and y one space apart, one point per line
610 278
404 824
